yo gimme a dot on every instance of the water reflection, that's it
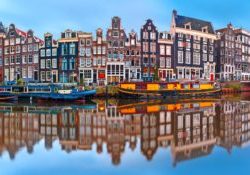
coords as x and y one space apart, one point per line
189 128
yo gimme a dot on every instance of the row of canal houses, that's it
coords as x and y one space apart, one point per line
191 50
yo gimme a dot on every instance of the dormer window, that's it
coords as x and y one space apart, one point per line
205 29
188 26
67 34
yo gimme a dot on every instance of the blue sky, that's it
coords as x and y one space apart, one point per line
57 15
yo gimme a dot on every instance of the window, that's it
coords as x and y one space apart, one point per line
35 47
42 53
88 52
103 50
152 47
48 75
99 50
54 63
64 64
48 52
6 61
25 59
145 35
72 64
88 62
54 52
94 61
180 56
42 75
204 48
35 57
24 48
12 59
30 48
115 34
18 59
24 72
18 40
162 49
211 58
88 42
64 49
153 35
196 58
18 49
168 62
7 50
30 58
82 51
162 62
42 64
188 57
30 72
205 57
145 47
87 74
72 49
48 63
168 50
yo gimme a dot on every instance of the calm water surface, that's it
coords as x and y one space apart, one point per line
197 136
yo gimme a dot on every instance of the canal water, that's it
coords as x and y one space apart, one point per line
179 137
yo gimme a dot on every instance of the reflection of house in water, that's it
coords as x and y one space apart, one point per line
68 127
48 128
99 126
149 135
193 131
115 133
233 124
18 129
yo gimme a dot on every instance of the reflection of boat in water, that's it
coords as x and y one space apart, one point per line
44 108
167 89
46 92
155 106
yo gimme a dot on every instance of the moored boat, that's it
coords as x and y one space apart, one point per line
47 92
6 95
181 89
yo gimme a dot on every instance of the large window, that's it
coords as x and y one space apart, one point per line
180 56
35 57
64 64
168 50
42 65
88 52
54 63
30 58
162 49
87 74
64 49
72 49
54 52
188 58
48 63
72 64
42 52
42 75
48 52
196 58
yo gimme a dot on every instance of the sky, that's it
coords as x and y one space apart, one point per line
55 16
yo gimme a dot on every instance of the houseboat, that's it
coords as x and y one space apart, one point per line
46 92
180 89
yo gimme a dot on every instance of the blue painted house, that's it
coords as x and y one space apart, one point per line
68 57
